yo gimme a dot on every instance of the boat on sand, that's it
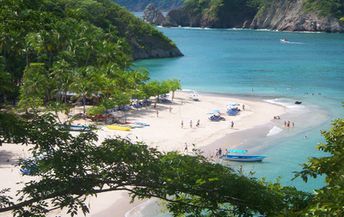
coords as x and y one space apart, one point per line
118 127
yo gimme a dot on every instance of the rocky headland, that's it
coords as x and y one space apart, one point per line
282 15
291 15
153 16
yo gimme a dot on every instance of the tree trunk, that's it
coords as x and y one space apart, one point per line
84 103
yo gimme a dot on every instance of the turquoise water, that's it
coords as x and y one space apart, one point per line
255 63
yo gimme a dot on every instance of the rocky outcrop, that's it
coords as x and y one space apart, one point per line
182 17
225 15
157 53
153 16
154 48
283 15
290 15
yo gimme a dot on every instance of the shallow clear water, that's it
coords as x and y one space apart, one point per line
255 63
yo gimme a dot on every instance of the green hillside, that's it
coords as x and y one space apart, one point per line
74 34
326 7
140 5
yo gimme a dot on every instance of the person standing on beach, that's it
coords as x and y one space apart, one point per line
198 123
157 113
288 124
182 124
186 147
220 152
292 124
190 123
232 124
243 107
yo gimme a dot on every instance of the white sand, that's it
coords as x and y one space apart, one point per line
164 132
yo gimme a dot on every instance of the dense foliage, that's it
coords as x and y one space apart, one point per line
326 7
49 48
140 5
329 200
70 168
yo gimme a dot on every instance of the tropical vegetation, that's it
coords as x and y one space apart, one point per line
326 7
52 48
71 168
140 5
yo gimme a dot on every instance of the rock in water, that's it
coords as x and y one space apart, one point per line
153 16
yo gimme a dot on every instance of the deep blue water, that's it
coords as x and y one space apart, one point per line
255 63
237 61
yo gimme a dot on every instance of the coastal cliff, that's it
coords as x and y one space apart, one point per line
213 14
153 16
283 15
291 15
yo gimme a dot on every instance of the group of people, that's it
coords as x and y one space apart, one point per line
286 123
190 123
289 124
186 149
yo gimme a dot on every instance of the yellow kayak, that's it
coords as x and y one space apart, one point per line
118 127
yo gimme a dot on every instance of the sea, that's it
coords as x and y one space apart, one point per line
256 64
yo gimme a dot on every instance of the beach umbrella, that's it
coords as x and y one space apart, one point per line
230 104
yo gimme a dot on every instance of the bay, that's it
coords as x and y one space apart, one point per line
254 63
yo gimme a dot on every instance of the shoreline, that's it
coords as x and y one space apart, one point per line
151 205
216 135
246 29
257 112
255 122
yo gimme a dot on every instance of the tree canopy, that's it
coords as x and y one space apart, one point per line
70 168
326 7
52 48
70 38
328 200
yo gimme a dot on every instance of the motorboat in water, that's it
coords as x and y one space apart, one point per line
240 156
284 41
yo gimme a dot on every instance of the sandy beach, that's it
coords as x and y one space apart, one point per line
165 132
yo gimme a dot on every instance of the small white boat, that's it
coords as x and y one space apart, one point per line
195 96
284 41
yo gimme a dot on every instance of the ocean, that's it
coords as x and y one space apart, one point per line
255 64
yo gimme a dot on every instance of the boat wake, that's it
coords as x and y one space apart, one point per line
288 103
284 41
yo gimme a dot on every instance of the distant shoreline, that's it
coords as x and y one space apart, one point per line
140 14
